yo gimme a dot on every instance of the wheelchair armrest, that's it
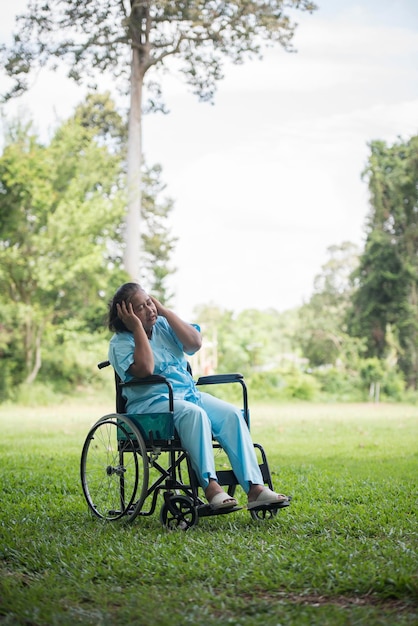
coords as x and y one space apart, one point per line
215 379
154 379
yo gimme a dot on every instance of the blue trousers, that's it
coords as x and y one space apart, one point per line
197 422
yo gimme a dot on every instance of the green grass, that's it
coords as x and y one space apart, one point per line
343 553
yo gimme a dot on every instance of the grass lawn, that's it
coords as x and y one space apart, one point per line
344 552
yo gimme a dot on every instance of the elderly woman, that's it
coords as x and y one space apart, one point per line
151 339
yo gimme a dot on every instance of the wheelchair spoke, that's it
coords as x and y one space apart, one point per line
178 513
114 469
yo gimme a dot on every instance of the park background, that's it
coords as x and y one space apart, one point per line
263 213
259 202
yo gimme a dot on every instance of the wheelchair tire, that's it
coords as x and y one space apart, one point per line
114 469
179 513
260 515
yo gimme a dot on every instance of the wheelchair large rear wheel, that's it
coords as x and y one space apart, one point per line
114 469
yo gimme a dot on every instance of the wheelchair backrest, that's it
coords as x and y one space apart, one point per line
154 379
120 400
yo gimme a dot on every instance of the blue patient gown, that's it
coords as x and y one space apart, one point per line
197 415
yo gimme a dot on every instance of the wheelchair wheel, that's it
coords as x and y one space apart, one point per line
114 469
178 513
262 514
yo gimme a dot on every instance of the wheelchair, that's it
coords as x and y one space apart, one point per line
130 463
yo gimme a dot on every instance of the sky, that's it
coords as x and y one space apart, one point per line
269 177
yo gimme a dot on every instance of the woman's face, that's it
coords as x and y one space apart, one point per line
145 309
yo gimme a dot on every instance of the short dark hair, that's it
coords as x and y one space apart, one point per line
124 293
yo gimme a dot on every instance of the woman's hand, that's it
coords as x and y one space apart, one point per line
189 337
143 364
127 316
161 310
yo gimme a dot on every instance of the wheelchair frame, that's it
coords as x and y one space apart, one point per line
120 466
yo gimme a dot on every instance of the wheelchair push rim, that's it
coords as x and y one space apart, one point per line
114 469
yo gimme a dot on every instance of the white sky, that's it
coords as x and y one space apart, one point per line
268 178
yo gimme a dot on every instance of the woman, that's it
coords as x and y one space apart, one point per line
151 339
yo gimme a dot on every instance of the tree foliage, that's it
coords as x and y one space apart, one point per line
61 245
127 39
57 205
251 341
103 34
386 280
158 244
322 332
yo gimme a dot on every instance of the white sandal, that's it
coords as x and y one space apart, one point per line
222 500
268 497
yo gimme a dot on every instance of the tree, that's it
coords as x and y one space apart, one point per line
158 244
58 207
61 214
386 297
251 341
98 113
130 38
322 333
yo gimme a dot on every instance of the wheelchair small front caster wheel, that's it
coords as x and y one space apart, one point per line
262 514
178 513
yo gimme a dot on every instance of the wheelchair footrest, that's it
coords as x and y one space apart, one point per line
270 507
205 510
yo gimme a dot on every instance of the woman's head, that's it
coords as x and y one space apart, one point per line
123 294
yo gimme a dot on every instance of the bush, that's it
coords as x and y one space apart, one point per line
265 385
299 386
340 384
35 394
288 384
6 379
410 396
70 358
393 385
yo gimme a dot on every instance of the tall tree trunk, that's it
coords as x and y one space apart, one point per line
132 256
413 337
36 366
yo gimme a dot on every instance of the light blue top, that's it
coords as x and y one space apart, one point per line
169 361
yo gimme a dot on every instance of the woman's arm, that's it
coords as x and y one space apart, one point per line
188 335
143 364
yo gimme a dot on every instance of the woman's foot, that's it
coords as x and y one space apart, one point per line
217 497
222 501
263 496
